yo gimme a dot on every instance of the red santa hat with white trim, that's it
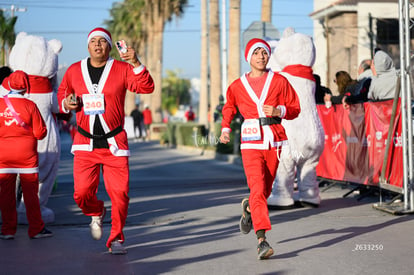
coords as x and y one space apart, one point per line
253 44
17 82
100 32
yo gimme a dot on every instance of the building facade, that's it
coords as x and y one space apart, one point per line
348 31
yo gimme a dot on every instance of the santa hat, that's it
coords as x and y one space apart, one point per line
17 82
253 44
100 32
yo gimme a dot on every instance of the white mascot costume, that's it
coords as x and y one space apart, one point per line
39 59
294 57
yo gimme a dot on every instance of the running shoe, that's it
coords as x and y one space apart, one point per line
45 233
264 250
96 225
6 237
117 248
246 218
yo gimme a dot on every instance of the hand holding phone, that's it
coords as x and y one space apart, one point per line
121 46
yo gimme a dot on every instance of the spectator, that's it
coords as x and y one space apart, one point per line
345 85
362 87
101 142
21 126
385 78
189 114
147 115
138 121
320 91
219 108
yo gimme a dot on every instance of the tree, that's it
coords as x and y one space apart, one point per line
234 41
156 14
8 36
175 91
124 25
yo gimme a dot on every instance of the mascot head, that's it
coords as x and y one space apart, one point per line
35 55
292 49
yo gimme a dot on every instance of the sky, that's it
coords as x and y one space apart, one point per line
71 21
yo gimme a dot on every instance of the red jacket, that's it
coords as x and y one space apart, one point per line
116 79
18 145
277 92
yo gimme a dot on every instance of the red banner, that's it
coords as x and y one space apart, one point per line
355 143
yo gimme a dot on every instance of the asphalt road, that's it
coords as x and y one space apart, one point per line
183 219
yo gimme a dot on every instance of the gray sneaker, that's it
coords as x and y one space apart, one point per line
264 251
6 237
246 219
117 248
96 225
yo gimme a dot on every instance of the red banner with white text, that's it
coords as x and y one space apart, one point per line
355 143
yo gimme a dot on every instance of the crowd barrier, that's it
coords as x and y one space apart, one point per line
355 144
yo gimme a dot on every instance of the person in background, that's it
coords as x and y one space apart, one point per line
219 108
5 71
263 98
138 121
345 85
96 88
147 115
385 78
189 114
362 87
21 126
320 91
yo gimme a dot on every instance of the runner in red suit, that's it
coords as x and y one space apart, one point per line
21 126
96 87
263 98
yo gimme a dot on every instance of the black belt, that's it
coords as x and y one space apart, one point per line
112 133
269 120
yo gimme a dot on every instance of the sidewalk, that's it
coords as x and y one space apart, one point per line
183 219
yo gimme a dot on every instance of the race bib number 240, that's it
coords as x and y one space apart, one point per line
93 104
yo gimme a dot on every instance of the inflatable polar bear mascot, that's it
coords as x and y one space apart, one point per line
39 59
294 57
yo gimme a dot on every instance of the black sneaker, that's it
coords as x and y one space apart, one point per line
246 218
264 250
43 234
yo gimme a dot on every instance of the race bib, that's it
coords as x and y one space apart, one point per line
251 130
93 104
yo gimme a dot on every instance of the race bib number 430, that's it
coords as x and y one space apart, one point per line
93 104
251 130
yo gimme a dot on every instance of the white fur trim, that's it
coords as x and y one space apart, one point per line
31 170
100 33
254 47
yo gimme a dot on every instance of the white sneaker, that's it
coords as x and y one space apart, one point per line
96 225
117 248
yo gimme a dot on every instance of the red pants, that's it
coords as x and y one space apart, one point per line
115 171
30 187
260 168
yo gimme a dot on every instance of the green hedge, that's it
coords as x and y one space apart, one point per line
195 134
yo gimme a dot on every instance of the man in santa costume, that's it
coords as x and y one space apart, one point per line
96 87
263 98
21 126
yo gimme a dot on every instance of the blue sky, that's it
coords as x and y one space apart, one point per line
71 21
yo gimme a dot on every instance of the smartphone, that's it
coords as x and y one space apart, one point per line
73 99
121 46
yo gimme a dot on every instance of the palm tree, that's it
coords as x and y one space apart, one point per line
266 10
234 41
204 115
156 13
8 36
124 25
214 55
